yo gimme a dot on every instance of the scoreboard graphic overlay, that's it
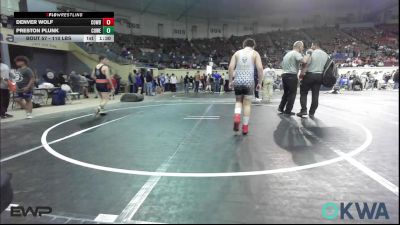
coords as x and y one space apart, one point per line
64 26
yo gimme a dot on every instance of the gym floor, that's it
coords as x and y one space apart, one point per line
177 160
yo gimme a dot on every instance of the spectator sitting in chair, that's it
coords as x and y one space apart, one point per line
84 83
357 82
50 77
75 82
351 79
344 82
62 78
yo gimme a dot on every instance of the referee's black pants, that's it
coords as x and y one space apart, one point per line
290 82
4 101
311 81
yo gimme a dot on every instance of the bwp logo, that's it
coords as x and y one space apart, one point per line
364 210
19 211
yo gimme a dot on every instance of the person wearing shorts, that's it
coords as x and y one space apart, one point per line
25 80
101 74
242 68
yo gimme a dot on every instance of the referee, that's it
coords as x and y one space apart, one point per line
312 79
290 66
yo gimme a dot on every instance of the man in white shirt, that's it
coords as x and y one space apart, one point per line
174 81
268 83
4 92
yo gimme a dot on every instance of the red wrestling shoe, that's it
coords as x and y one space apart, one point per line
236 122
245 129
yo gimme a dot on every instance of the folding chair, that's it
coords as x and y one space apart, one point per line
69 94
39 97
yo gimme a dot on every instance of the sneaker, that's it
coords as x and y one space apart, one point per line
236 122
8 115
289 114
280 111
29 116
302 113
245 129
98 110
102 112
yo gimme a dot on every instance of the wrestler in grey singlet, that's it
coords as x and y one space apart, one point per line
244 72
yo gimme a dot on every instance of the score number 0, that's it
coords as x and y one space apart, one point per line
108 25
108 21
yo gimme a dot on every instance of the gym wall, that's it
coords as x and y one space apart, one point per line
41 59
